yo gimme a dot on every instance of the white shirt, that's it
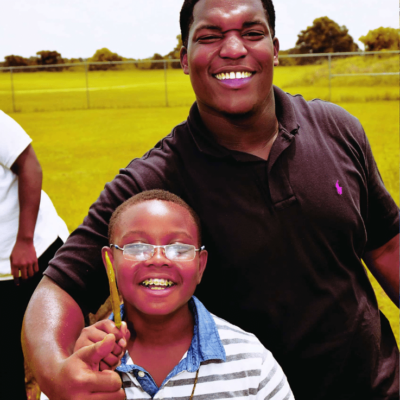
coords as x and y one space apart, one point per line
13 141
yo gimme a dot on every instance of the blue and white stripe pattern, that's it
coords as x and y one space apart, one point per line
233 364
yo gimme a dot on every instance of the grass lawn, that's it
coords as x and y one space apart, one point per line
133 88
81 150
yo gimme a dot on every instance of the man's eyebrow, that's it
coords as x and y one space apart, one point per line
246 24
210 27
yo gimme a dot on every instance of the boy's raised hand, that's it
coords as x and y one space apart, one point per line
96 333
82 378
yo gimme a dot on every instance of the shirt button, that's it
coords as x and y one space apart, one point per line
141 374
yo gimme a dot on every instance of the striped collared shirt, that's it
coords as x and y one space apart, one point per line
233 364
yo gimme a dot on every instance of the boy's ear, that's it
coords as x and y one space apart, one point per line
203 256
184 62
108 250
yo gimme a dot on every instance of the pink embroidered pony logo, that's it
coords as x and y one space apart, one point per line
338 188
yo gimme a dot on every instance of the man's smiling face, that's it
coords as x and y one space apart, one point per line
230 56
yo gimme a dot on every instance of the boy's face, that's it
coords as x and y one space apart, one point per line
159 223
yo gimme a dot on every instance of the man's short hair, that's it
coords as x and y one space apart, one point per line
155 194
186 17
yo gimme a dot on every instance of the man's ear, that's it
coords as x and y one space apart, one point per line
184 62
203 256
108 250
275 42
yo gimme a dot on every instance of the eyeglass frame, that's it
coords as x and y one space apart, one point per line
163 247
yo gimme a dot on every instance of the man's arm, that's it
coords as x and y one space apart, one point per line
384 265
23 256
54 321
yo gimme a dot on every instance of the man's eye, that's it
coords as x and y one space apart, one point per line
254 35
208 39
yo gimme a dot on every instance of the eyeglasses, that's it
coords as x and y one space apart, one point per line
145 251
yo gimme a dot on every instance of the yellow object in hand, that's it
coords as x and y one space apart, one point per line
114 293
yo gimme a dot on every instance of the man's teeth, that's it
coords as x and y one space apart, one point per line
157 284
233 75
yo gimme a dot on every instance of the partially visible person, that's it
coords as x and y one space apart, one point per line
30 234
174 347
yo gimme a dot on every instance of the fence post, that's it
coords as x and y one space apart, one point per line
165 80
12 89
87 86
330 75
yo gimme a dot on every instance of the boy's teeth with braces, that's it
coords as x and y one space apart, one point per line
157 284
233 75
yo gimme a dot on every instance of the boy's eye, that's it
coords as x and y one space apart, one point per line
140 251
180 249
180 252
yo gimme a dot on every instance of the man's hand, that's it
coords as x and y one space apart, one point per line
23 258
79 377
98 332
53 323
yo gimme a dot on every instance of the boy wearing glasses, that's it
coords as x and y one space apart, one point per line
169 345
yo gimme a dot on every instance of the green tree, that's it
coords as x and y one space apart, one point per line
48 57
381 39
157 65
19 61
15 61
106 56
325 36
175 53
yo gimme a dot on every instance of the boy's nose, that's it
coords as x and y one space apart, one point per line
159 257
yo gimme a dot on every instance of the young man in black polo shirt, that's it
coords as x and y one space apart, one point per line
290 200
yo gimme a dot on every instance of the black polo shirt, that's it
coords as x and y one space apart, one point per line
285 240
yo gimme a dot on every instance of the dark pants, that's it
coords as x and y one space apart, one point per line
13 303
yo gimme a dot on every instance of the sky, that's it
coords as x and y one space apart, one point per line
140 28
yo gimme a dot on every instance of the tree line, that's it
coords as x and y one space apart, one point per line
323 36
327 36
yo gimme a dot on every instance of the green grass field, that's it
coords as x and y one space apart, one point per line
81 150
133 88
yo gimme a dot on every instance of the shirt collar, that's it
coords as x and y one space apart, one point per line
205 142
206 342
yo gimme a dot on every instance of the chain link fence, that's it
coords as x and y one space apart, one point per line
359 76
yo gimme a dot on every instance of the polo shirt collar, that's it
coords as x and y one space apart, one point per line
206 143
285 111
206 343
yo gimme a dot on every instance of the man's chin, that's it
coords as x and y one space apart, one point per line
236 111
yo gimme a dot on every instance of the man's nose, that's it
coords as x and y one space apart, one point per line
233 47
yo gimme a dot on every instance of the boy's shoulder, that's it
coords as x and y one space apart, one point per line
239 344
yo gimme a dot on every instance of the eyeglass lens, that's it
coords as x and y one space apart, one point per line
144 251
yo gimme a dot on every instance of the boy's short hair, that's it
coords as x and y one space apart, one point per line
155 194
186 17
